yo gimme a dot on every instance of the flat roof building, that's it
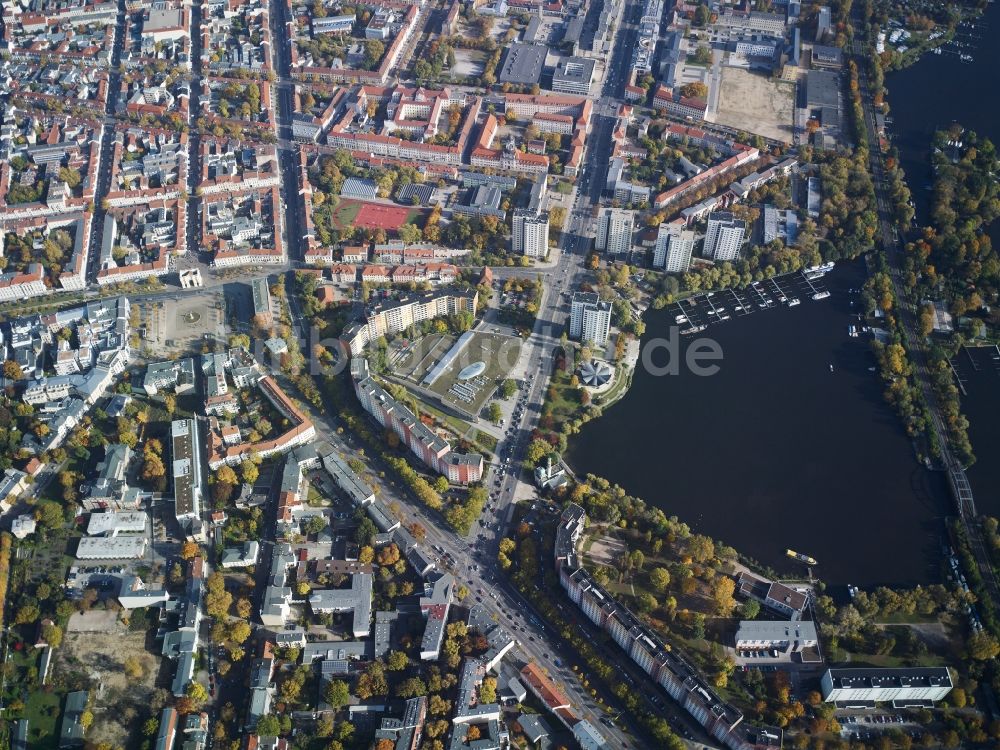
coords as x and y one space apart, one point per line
865 687
674 247
724 236
614 230
776 634
523 64
357 600
573 75
118 522
530 233
590 318
831 58
111 548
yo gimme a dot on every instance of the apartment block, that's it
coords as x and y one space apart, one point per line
590 318
674 247
614 230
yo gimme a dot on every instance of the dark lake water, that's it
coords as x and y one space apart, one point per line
776 451
939 90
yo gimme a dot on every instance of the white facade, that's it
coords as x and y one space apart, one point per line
776 634
614 230
590 318
530 234
588 736
881 685
724 236
111 548
674 247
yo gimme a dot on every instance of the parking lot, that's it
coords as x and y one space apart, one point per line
863 727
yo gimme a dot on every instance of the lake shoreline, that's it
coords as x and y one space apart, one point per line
604 456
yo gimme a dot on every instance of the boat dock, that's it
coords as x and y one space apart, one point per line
696 313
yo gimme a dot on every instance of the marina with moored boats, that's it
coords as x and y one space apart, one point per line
696 313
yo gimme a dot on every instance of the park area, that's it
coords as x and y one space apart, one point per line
755 104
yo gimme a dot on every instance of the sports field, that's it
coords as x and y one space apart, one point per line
351 213
389 218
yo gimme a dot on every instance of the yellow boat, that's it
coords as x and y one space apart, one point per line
800 557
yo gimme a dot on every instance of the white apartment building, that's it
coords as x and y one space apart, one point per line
724 236
590 318
614 230
867 686
674 247
530 234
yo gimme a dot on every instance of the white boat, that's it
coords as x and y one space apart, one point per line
794 301
821 295
820 269
681 319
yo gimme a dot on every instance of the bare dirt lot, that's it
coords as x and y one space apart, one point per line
468 63
753 103
606 551
119 697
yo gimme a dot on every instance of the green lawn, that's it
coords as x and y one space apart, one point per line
484 440
42 710
315 499
888 661
623 378
345 213
499 353
459 426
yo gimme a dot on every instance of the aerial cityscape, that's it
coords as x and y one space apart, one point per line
499 375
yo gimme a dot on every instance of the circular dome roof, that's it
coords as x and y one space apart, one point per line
471 371
595 373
